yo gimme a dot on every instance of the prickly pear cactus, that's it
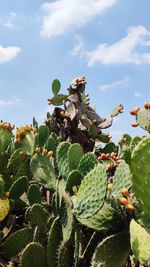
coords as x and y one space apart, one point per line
74 179
33 256
112 251
143 119
141 180
140 243
92 192
122 179
87 163
18 187
62 158
4 208
75 153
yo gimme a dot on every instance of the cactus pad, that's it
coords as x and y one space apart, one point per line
140 161
33 256
18 187
74 179
140 243
75 153
34 194
62 159
43 131
87 163
112 251
28 143
143 119
4 208
87 203
39 215
122 179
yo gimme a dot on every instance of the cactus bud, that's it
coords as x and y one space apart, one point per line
50 154
130 209
134 111
124 191
110 186
123 201
146 105
74 189
134 124
37 150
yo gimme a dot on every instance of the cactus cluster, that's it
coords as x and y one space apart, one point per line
66 200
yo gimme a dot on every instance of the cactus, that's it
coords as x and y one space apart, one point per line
74 179
39 215
18 187
143 119
87 203
64 255
54 238
34 194
112 251
43 170
62 159
104 220
43 132
33 256
140 243
56 85
5 138
17 241
66 217
75 153
51 144
121 179
15 161
141 179
87 163
27 143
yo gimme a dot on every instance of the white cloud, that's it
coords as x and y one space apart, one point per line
8 53
137 94
78 45
119 83
9 23
63 15
124 51
11 102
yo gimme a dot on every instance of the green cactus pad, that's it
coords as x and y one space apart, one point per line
87 163
24 170
109 148
92 192
56 85
33 256
122 179
44 132
62 159
104 138
16 242
66 217
28 143
74 179
34 194
5 139
104 220
64 255
51 144
134 142
1 186
43 170
59 99
18 187
140 243
112 251
75 153
15 161
54 238
140 162
39 215
143 119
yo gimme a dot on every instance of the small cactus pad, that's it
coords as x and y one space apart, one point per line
74 179
15 161
28 143
92 192
5 139
87 163
43 131
43 170
18 187
140 243
62 159
64 255
66 217
17 241
4 208
54 238
33 256
122 179
34 194
75 153
51 144
143 119
56 85
39 215
112 251
140 162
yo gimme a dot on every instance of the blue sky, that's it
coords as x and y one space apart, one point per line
107 41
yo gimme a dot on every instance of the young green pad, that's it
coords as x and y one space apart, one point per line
33 256
75 153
